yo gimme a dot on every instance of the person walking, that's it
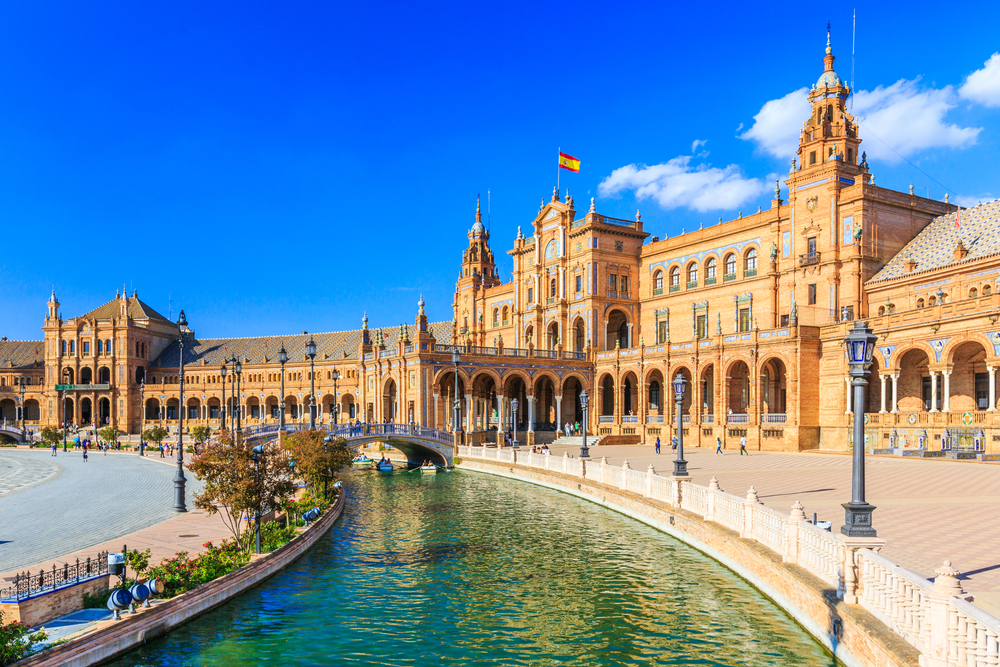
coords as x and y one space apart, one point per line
53 449
85 448
657 444
673 443
743 446
718 445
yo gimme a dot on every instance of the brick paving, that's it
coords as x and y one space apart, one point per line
88 506
928 511
19 473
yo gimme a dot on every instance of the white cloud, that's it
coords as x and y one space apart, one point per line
983 85
905 115
776 127
696 143
679 184
910 119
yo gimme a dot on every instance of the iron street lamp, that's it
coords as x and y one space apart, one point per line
225 399
584 402
282 358
311 353
257 452
336 399
237 397
22 411
456 359
860 349
513 407
142 416
179 479
680 465
65 425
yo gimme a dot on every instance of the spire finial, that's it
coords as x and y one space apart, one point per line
420 304
477 204
555 194
593 208
829 48
777 190
364 321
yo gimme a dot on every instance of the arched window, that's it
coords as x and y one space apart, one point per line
658 280
675 277
730 264
920 303
750 264
932 301
891 308
64 348
710 270
506 315
692 274
496 317
72 348
973 293
100 347
881 311
107 347
654 395
987 290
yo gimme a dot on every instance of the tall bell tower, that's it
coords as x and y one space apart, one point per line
478 272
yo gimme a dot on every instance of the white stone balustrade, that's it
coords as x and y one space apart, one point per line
938 619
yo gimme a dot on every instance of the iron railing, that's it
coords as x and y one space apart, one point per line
26 584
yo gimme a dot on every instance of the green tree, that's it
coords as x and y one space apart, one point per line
109 434
16 641
154 434
201 433
52 435
317 461
232 487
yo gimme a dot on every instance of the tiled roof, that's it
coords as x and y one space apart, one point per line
137 310
264 349
21 353
934 247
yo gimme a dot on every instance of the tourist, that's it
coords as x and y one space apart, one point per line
85 452
566 429
161 450
718 445
657 444
53 449
743 446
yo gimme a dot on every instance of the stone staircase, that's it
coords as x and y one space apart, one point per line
577 440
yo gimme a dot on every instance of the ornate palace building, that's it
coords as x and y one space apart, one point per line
753 312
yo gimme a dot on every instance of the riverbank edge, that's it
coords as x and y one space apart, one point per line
863 640
132 632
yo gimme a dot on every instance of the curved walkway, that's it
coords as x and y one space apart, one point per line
50 513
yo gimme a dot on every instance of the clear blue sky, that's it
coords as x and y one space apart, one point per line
282 167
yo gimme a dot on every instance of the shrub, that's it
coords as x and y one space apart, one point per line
182 573
17 640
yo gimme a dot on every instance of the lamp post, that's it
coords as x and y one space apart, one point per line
179 479
225 399
456 359
680 465
584 402
311 353
513 408
257 452
326 441
336 399
860 349
64 420
282 358
237 400
142 415
22 411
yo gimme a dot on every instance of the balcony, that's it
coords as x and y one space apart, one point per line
630 419
658 291
729 276
809 258
774 418
675 288
606 419
750 273
613 294
710 281
550 300
692 284
707 418
654 419
738 419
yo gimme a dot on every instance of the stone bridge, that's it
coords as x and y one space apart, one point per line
13 432
419 443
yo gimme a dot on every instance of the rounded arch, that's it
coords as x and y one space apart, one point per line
579 334
729 263
691 272
68 375
707 384
948 352
552 335
86 375
572 410
903 350
969 383
750 254
628 387
655 394
913 387
86 410
152 409
617 329
737 386
772 385
529 333
711 268
674 273
685 370
32 411
606 385
104 410
658 282
104 375
480 373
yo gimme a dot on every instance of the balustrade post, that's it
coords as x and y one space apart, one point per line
748 504
623 484
792 550
546 458
713 488
649 481
848 590
604 465
675 490
940 619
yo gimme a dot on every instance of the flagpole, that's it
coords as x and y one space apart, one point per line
558 155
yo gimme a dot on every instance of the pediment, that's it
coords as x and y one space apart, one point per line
811 228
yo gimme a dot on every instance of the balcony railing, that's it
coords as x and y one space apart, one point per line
550 300
630 419
686 419
615 294
606 419
710 281
749 273
738 419
657 291
675 288
654 419
707 418
774 418
692 284
809 258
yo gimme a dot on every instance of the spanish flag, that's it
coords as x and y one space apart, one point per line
569 162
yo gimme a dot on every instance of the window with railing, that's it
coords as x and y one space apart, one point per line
809 258
750 263
692 275
710 266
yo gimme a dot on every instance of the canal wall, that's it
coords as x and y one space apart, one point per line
856 637
123 636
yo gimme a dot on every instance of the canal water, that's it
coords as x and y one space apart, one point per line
463 568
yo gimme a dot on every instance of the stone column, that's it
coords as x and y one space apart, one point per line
946 403
629 335
558 412
531 413
882 379
895 393
436 397
992 370
470 423
847 410
933 391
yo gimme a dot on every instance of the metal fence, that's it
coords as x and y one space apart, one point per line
26 584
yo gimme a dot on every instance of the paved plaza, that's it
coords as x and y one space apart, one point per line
54 506
928 511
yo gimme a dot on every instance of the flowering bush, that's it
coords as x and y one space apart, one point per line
183 573
17 640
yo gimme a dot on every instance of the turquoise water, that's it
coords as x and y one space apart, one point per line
468 569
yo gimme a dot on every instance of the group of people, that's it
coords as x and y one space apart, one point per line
718 445
571 429
544 449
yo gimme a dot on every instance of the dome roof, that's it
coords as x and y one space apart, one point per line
478 228
829 79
